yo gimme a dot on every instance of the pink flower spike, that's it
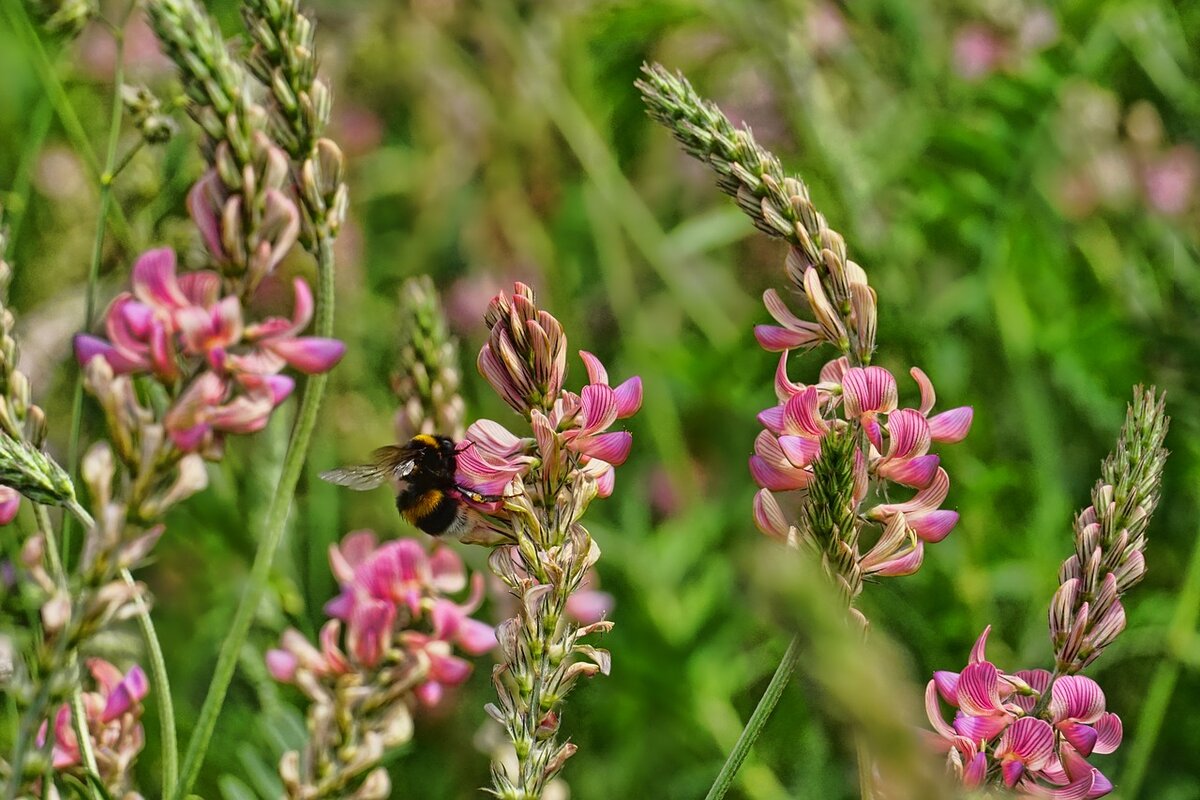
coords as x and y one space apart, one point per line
282 665
868 389
128 693
10 504
951 426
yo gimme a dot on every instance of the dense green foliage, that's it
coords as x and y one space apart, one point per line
1004 219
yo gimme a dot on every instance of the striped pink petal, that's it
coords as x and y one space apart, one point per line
979 689
595 370
629 397
951 426
154 280
1077 698
916 473
935 712
868 389
800 451
1108 733
928 395
908 434
612 447
599 408
775 339
933 526
802 414
769 517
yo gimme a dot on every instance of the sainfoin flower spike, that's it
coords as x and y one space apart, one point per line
545 476
395 635
223 372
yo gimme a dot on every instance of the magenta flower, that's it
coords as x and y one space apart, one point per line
112 716
178 326
392 608
996 733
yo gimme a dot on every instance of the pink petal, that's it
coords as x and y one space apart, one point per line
1038 680
916 473
774 339
1076 697
772 419
978 650
1030 740
201 287
1082 737
129 692
1012 771
606 477
309 354
928 396
202 203
599 408
612 447
784 388
951 426
589 606
935 713
769 517
429 693
800 451
979 689
629 397
905 564
802 414
476 637
933 526
868 389
908 434
1108 733
154 280
771 477
947 686
447 571
10 504
975 771
282 665
595 370
981 728
449 670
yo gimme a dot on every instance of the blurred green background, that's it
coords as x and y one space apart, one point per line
1019 181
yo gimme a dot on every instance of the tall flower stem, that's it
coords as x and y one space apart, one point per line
273 530
758 719
162 690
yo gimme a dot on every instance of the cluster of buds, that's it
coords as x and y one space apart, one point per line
860 403
112 719
427 377
147 115
544 483
391 638
222 373
284 59
1110 538
1026 731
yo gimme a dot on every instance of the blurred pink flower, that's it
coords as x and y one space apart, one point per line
978 51
112 716
10 504
1169 180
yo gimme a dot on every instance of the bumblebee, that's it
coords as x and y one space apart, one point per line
429 497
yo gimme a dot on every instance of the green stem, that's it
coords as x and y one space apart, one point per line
758 719
63 109
162 690
89 317
273 531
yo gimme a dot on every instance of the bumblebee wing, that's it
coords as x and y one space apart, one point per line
396 461
361 477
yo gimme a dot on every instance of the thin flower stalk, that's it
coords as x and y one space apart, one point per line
389 644
530 493
427 376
